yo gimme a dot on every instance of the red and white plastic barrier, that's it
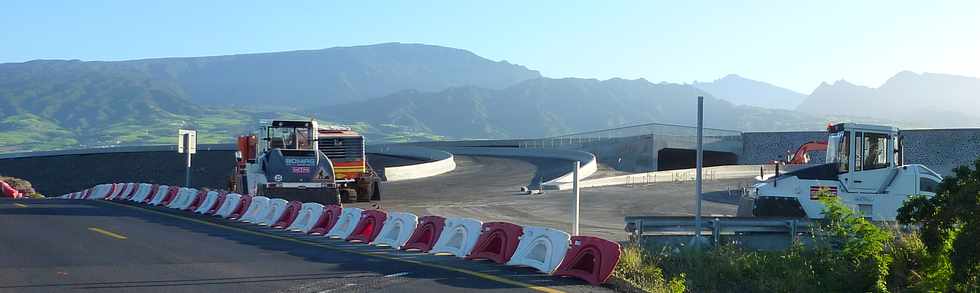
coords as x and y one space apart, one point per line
144 191
209 201
589 258
328 219
184 195
458 236
541 248
256 207
368 226
272 213
497 242
197 201
162 193
346 223
397 229
288 216
101 191
426 234
309 214
232 201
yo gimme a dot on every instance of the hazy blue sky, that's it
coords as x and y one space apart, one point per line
796 44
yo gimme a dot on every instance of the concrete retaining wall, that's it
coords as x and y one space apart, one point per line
436 161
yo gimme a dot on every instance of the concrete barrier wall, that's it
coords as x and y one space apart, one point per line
436 161
709 173
60 172
588 165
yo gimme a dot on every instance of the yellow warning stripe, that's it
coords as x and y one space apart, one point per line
484 276
107 233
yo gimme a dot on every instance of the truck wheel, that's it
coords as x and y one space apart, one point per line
376 191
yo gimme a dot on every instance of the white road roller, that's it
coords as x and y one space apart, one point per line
863 168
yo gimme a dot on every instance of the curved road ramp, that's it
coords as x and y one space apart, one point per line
109 237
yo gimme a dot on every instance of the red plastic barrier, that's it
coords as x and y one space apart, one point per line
153 191
426 233
589 258
327 219
242 206
369 226
9 191
198 200
171 195
289 215
217 203
497 242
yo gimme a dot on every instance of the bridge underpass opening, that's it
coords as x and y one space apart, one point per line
673 159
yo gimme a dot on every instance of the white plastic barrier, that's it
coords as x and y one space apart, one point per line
142 193
182 195
209 200
160 195
541 248
272 214
398 227
188 200
309 213
259 206
100 191
346 223
458 236
231 202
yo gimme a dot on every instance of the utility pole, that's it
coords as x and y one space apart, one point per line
697 181
575 213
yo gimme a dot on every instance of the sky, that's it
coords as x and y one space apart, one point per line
794 44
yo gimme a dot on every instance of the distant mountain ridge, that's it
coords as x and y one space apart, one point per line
936 100
744 91
546 107
296 78
401 92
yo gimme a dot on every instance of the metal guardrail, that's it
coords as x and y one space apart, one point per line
640 226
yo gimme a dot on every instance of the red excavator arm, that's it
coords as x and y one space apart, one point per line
800 157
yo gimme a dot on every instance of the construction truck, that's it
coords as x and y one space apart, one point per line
304 161
864 168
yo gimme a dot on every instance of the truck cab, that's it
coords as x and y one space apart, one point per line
864 168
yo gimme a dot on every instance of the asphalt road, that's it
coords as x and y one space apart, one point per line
487 188
81 245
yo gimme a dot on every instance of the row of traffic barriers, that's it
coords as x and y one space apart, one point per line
548 250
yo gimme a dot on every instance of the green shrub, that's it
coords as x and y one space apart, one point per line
861 244
950 231
638 268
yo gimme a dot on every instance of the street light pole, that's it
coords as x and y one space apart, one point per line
697 184
575 213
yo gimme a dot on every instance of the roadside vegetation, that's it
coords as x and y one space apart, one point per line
21 185
935 248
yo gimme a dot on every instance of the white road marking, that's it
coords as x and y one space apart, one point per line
396 275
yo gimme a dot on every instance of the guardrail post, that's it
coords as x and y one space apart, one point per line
716 231
792 231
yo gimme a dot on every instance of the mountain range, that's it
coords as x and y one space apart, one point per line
398 92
